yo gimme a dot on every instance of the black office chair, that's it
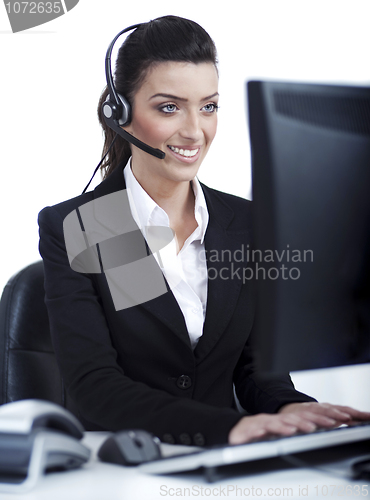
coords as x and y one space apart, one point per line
28 368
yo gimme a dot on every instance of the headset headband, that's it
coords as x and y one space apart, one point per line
108 67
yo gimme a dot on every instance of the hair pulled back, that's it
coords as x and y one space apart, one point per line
168 38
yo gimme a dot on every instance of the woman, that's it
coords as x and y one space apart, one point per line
168 363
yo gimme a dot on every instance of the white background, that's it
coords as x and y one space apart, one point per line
52 77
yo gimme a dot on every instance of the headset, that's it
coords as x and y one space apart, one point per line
117 110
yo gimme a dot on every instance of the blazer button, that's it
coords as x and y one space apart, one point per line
184 382
185 439
168 438
199 439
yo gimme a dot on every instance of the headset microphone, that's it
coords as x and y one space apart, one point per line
117 110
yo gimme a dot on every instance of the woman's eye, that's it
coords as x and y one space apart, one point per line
168 108
211 107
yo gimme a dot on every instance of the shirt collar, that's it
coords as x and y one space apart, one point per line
145 210
200 209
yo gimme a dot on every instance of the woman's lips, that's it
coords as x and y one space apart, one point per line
185 153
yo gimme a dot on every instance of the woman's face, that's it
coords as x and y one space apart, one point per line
174 110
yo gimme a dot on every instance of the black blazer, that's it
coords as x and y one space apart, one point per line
135 368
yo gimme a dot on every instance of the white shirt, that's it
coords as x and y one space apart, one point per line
185 272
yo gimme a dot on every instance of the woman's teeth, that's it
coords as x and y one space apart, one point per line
184 152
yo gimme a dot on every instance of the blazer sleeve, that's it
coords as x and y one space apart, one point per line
104 395
263 393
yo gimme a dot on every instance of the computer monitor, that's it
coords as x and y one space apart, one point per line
310 149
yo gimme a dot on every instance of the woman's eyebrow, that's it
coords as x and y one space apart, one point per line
177 98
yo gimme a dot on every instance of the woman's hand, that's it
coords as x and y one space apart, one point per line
263 425
326 414
293 418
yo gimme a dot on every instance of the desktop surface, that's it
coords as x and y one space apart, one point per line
325 474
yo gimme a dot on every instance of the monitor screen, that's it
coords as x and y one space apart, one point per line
310 148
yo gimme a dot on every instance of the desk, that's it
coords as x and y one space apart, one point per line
272 478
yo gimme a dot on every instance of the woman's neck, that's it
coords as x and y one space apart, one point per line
175 198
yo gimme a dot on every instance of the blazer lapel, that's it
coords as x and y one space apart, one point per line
165 307
223 286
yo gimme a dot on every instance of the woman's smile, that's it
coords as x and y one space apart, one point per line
185 153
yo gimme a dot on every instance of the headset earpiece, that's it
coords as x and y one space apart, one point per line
119 112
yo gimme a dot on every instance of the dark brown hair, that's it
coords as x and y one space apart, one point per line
164 39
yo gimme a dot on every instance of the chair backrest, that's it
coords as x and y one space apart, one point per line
28 368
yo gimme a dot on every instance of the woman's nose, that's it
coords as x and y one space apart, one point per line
191 127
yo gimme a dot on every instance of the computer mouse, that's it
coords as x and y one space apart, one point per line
130 447
23 416
361 469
